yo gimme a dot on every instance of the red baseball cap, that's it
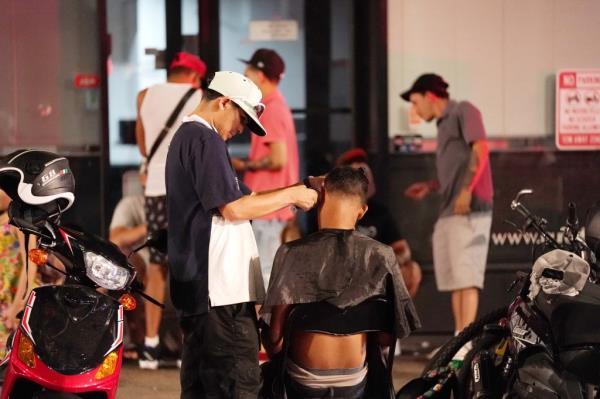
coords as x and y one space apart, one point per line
351 156
189 61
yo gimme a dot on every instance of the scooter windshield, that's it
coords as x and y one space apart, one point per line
73 327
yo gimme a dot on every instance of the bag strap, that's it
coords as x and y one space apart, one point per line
170 121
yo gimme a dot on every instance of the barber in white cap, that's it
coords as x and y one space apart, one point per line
214 268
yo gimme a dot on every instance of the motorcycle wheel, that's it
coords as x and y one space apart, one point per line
471 332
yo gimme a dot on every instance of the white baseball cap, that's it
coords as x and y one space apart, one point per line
244 93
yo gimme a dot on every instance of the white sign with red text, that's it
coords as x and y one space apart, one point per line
578 109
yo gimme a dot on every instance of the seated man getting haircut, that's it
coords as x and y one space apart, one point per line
344 268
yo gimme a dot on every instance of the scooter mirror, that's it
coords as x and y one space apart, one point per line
158 240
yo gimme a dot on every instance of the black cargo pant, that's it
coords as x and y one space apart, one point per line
220 354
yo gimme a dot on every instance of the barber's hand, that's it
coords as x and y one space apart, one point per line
303 197
462 204
418 191
411 273
315 182
402 251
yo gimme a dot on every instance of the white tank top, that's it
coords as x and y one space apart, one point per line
159 102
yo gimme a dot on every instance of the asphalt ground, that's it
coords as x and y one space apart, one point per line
164 383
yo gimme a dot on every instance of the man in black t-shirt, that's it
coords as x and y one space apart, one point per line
379 223
214 268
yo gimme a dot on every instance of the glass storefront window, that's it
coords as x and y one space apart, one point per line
50 76
236 42
138 32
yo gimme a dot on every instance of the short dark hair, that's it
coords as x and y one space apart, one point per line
210 94
348 181
180 70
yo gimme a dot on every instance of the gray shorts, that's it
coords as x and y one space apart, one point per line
460 247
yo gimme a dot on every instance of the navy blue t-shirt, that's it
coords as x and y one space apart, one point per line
199 179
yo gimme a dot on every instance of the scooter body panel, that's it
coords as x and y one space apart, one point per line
44 377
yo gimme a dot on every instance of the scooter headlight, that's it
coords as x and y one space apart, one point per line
104 272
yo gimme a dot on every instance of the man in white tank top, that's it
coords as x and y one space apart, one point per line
155 105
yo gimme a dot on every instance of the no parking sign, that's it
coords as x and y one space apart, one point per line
578 109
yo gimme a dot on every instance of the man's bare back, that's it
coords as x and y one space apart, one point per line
324 351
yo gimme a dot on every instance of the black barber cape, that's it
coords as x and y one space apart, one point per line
342 267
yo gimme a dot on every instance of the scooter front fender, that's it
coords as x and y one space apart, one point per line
41 375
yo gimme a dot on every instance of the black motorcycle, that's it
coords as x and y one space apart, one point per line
545 344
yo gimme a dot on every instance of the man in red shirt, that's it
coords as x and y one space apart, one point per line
273 159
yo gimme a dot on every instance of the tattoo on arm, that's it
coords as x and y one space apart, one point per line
274 160
263 163
477 162
471 169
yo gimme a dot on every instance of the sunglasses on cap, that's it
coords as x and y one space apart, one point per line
259 108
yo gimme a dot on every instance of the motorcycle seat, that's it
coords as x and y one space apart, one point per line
573 319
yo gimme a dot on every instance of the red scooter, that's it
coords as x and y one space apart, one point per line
70 340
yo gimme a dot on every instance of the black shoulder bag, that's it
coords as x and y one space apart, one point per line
170 121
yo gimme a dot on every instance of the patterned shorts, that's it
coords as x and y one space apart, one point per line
156 217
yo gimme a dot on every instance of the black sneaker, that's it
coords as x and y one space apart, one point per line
149 357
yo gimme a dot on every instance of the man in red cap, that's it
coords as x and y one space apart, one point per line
273 159
160 111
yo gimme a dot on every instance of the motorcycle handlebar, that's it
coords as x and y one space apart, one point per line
150 299
516 204
531 219
576 245
138 287
572 220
